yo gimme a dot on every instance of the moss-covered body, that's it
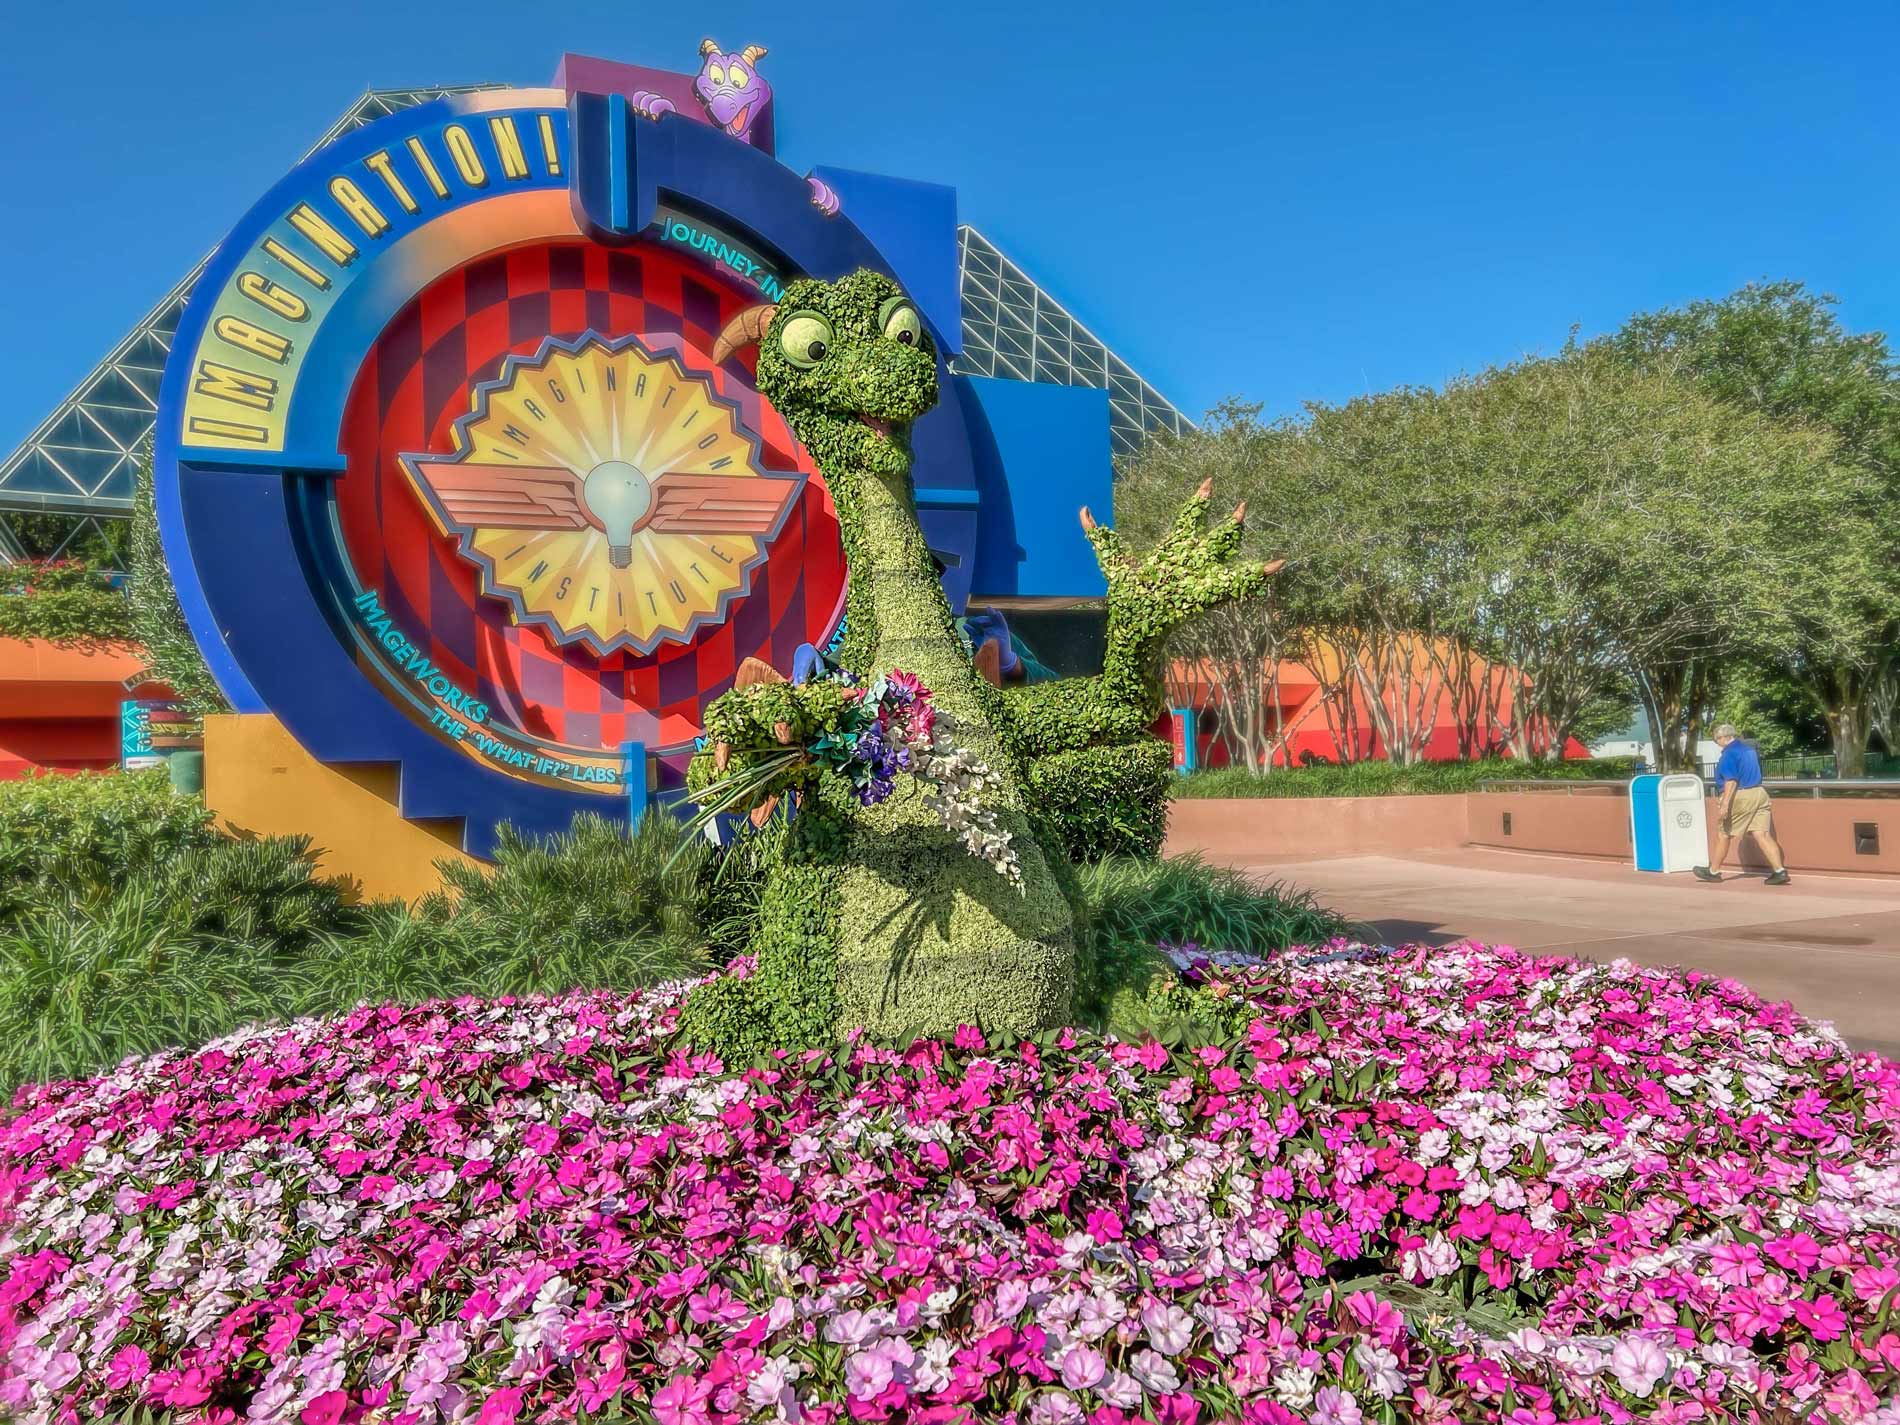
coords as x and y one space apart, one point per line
877 917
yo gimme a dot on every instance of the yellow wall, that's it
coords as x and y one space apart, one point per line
259 779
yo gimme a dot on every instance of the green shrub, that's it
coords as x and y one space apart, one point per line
131 926
64 602
1105 801
731 885
1130 907
594 892
82 837
263 891
83 986
1387 779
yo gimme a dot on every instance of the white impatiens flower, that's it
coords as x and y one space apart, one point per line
1168 1326
1293 1387
1638 1363
773 1389
1381 1369
1155 1371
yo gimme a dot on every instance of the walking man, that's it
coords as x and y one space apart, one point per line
1743 809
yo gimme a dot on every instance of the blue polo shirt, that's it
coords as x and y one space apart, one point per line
1739 765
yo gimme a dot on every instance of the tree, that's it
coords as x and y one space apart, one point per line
1770 709
1533 468
1629 525
1230 657
1779 350
157 621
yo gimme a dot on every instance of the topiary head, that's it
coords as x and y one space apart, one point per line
848 364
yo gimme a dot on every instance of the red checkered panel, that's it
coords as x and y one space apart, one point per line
415 383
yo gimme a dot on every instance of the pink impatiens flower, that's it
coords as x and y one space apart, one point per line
682 1401
129 1365
1823 1317
1638 1363
1333 1406
501 1407
1688 1191
1168 1327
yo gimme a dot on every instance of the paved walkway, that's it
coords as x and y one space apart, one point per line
1830 944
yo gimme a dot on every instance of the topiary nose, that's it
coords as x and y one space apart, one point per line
892 382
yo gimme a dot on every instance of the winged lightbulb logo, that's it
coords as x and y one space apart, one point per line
619 497
609 495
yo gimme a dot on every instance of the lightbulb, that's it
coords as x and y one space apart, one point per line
619 497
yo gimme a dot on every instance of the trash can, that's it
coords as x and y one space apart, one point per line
1669 822
187 772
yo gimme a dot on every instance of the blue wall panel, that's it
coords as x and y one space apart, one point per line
914 227
1053 443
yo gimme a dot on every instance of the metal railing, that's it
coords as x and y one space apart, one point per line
1870 787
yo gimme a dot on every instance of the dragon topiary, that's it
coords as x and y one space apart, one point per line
876 916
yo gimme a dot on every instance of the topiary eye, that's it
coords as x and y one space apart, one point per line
805 338
901 322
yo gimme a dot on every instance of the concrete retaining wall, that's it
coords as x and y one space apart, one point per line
1235 828
1575 823
1816 833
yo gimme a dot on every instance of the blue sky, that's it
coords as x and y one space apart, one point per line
1290 203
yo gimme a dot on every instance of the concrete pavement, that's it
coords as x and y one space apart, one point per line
1830 944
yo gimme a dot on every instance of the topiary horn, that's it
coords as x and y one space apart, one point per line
752 54
745 329
708 46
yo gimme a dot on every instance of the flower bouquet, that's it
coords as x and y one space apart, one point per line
866 735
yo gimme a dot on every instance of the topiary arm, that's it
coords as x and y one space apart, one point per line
1192 569
758 719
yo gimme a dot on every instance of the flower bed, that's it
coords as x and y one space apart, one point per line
1436 1185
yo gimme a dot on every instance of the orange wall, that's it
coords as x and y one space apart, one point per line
59 707
1575 823
1817 833
259 779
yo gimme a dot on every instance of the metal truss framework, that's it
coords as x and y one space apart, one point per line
70 483
79 467
1013 328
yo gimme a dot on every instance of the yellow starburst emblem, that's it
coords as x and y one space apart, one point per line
607 493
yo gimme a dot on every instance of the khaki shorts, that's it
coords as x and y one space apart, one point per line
1747 813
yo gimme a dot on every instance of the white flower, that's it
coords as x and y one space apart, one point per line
1638 1363
1293 1387
932 1370
1156 1372
938 1303
772 1389
1120 1390
1381 1369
